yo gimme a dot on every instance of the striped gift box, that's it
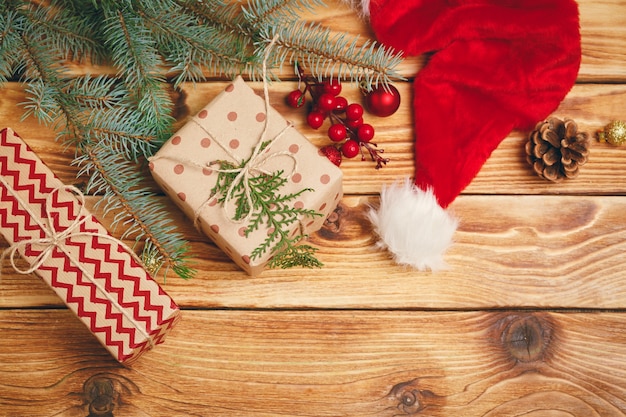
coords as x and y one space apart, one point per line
98 277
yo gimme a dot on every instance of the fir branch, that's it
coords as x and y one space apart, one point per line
271 13
190 49
134 51
122 129
139 211
69 31
216 14
46 99
11 25
101 92
328 55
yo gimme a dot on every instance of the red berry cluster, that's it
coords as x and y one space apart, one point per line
347 128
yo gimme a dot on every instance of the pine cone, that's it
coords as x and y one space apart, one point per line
556 149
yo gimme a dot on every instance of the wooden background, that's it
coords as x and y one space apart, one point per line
528 321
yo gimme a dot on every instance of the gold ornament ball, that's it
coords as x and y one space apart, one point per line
614 133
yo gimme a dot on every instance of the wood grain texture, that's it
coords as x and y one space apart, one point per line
506 171
309 363
527 321
509 251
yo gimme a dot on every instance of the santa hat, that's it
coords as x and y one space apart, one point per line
496 65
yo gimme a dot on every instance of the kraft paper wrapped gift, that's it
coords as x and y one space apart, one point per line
228 129
97 276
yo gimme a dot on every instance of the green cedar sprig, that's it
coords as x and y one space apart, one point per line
269 208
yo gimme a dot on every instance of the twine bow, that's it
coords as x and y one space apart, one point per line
56 239
254 165
257 158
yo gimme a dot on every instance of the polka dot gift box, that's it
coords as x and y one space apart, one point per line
240 136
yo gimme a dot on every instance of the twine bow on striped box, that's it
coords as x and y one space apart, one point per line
98 277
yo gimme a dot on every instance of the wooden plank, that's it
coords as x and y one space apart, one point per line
506 172
603 36
602 33
323 363
509 251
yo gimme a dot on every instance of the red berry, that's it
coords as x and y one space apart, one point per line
383 102
315 119
354 124
365 132
332 153
326 102
295 99
337 132
350 148
332 87
354 111
341 103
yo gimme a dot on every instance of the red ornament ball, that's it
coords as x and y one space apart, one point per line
350 148
383 102
332 153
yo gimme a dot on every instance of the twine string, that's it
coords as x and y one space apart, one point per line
257 160
249 169
56 239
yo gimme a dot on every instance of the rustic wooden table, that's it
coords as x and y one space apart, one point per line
530 319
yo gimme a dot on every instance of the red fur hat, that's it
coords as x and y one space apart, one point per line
495 66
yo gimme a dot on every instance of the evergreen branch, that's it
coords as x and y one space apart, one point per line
328 55
292 254
190 49
46 99
217 14
113 122
270 13
121 129
101 92
142 215
133 50
67 31
11 25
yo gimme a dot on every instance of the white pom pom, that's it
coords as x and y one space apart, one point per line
413 226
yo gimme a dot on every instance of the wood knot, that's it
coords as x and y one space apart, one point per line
101 396
332 223
526 337
106 393
410 399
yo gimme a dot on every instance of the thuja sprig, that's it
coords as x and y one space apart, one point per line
266 206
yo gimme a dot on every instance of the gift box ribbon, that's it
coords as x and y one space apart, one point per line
246 170
56 239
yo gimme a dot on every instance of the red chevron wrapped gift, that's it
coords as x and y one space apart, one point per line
97 276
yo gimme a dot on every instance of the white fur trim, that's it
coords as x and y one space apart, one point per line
413 226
